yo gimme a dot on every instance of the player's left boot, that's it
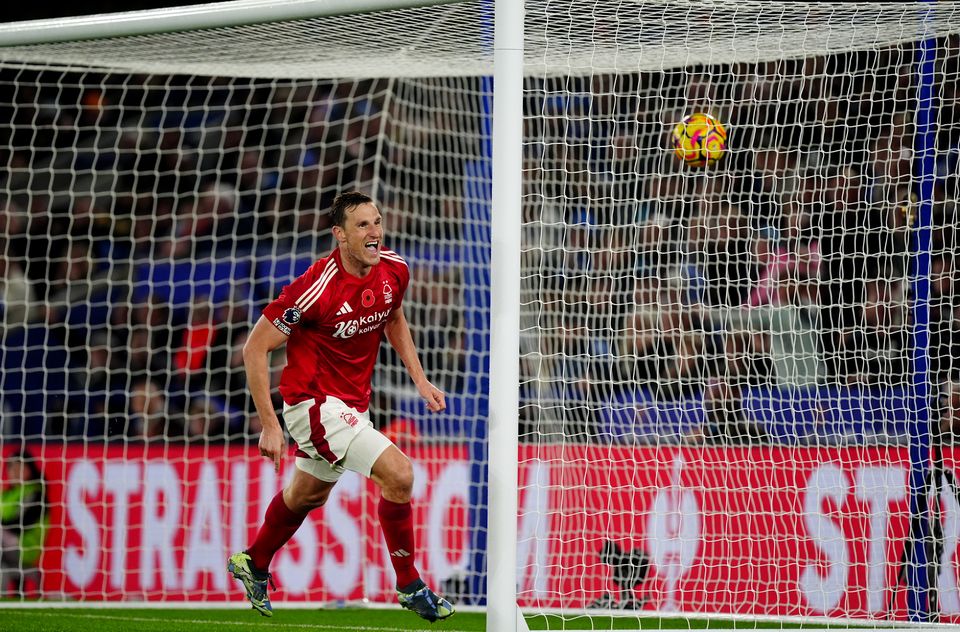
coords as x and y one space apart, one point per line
255 584
425 602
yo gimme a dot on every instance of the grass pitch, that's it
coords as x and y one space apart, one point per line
332 620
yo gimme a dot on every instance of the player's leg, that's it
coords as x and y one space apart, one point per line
9 560
308 489
284 515
392 471
287 511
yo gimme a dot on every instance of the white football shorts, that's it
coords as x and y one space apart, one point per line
333 437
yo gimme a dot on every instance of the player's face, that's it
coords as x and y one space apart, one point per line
16 472
360 238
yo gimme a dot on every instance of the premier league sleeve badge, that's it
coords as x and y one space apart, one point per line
292 316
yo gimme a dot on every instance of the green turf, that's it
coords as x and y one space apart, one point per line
178 620
331 620
550 622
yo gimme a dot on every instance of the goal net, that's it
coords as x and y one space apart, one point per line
724 370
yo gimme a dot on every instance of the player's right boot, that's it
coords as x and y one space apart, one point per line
425 602
254 583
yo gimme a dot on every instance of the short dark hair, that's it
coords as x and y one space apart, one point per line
344 202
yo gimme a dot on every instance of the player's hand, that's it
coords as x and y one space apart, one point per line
433 396
272 445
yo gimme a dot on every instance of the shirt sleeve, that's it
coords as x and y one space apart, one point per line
403 281
283 311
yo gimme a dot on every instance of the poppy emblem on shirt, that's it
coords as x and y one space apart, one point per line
367 298
292 316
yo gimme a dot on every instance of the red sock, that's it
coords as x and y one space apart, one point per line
279 525
396 520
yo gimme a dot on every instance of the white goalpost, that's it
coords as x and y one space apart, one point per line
505 230
675 392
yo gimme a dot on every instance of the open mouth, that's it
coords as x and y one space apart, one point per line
372 247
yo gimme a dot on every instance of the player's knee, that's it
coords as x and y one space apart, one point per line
318 499
302 499
399 482
306 502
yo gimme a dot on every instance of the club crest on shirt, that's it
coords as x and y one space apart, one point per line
292 316
367 298
387 293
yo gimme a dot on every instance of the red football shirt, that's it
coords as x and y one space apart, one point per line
335 323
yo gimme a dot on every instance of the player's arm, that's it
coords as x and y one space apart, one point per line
256 351
398 333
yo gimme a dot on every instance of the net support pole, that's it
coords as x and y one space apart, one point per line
918 579
502 613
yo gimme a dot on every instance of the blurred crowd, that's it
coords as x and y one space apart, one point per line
147 220
145 223
786 269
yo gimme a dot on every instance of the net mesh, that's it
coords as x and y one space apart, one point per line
570 38
716 364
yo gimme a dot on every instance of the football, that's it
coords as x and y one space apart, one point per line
699 140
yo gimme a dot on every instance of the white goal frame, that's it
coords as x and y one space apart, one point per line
503 614
502 58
